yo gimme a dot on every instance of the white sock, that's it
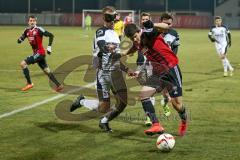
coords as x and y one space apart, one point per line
224 64
229 65
90 104
152 100
104 120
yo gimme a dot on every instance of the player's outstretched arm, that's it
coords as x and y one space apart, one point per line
22 37
161 26
51 37
50 41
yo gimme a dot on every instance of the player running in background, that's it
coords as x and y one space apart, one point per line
221 35
166 74
119 26
35 34
109 73
171 36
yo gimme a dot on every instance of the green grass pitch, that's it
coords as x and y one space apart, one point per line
38 134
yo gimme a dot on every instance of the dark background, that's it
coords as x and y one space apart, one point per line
65 6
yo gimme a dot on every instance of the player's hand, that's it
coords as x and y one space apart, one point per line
49 50
133 74
19 41
229 43
148 24
213 40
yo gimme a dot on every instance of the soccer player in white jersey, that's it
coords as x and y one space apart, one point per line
109 73
221 36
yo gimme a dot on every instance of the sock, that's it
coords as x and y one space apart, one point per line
165 101
53 79
149 110
90 104
104 120
183 114
115 111
152 100
27 75
224 64
228 64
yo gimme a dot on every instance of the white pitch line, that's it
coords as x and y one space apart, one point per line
44 101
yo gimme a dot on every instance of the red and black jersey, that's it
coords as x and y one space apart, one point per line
35 38
161 56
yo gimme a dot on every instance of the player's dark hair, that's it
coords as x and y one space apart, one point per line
108 9
217 17
32 16
131 29
145 14
166 16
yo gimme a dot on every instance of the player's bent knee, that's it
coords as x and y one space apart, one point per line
177 102
143 96
147 92
23 64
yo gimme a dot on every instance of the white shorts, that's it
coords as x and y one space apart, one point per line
221 48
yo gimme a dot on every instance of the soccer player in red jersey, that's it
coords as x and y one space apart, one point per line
35 34
166 73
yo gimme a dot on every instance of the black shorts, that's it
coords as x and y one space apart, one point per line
37 58
171 80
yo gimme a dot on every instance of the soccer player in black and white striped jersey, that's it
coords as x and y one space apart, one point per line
109 73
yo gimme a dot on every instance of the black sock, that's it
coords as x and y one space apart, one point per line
183 114
149 110
116 111
27 75
53 79
165 101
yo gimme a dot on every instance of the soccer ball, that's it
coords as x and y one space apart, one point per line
165 142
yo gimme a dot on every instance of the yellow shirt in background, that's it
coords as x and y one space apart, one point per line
118 27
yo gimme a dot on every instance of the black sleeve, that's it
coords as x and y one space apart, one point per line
211 39
229 37
175 50
116 56
140 59
50 35
23 36
102 47
210 36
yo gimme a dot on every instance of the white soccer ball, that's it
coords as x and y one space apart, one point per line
165 142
